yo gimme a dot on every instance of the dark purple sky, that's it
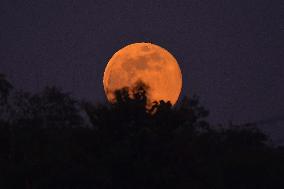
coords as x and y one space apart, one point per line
230 52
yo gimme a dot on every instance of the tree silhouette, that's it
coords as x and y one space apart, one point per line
5 89
131 143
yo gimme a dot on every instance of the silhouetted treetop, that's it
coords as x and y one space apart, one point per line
44 143
5 88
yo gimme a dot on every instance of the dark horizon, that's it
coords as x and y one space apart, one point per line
275 137
51 140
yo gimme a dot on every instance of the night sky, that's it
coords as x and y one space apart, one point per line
231 52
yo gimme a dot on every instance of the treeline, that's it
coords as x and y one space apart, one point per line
51 140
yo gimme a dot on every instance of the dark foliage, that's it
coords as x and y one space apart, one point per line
47 142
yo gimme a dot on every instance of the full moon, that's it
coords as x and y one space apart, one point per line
148 63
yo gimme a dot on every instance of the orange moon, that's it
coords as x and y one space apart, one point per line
146 62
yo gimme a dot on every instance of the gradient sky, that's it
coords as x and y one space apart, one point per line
230 52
